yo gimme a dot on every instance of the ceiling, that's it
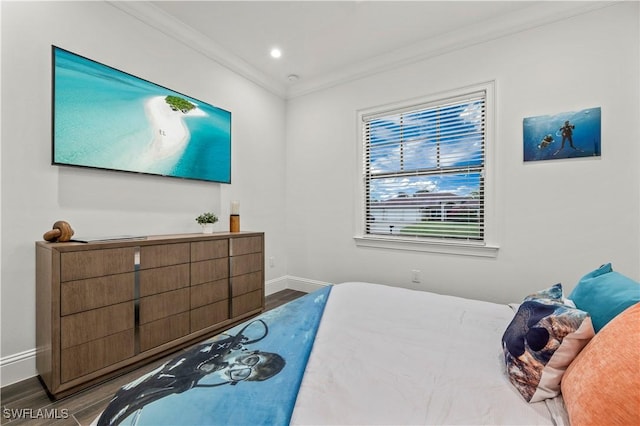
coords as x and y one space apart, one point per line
324 43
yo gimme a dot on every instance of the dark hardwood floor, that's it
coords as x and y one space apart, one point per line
26 402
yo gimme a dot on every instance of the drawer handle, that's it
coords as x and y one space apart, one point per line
136 300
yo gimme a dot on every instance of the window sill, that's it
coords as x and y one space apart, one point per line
429 246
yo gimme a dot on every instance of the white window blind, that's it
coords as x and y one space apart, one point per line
424 170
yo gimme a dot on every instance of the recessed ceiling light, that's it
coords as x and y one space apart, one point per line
276 53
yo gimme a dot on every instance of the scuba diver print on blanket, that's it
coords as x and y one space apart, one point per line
227 359
249 375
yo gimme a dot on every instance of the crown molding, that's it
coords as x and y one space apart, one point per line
541 13
157 18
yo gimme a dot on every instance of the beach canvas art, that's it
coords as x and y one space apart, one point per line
564 135
108 119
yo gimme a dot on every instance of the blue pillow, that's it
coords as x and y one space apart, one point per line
605 293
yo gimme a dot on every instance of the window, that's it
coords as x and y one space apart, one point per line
425 171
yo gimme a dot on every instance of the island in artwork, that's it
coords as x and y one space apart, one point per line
171 133
105 118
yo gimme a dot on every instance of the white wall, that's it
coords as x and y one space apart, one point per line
558 219
36 194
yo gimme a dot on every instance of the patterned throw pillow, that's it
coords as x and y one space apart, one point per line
541 341
554 293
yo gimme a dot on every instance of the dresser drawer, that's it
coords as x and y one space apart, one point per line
78 265
209 315
245 245
83 295
246 283
246 264
246 303
164 255
91 356
204 250
209 270
91 325
160 280
164 330
207 293
163 305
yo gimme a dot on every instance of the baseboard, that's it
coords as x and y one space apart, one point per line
275 285
305 284
17 367
294 283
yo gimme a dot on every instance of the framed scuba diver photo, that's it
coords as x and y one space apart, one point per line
564 135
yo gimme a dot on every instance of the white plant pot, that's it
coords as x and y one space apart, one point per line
207 228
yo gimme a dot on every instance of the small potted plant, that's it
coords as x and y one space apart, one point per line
207 220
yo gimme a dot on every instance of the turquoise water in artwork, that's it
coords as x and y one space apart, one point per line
102 119
586 134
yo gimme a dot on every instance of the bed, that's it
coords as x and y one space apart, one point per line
359 353
391 366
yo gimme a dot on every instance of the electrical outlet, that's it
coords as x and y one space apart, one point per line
415 276
272 261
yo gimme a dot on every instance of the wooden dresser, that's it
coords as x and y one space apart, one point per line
103 308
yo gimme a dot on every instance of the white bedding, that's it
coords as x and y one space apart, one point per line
385 355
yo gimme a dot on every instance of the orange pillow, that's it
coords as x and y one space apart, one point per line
602 384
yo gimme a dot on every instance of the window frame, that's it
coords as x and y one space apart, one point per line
488 247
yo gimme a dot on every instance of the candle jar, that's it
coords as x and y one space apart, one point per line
234 223
234 218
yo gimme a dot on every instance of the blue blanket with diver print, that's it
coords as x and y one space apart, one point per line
250 375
